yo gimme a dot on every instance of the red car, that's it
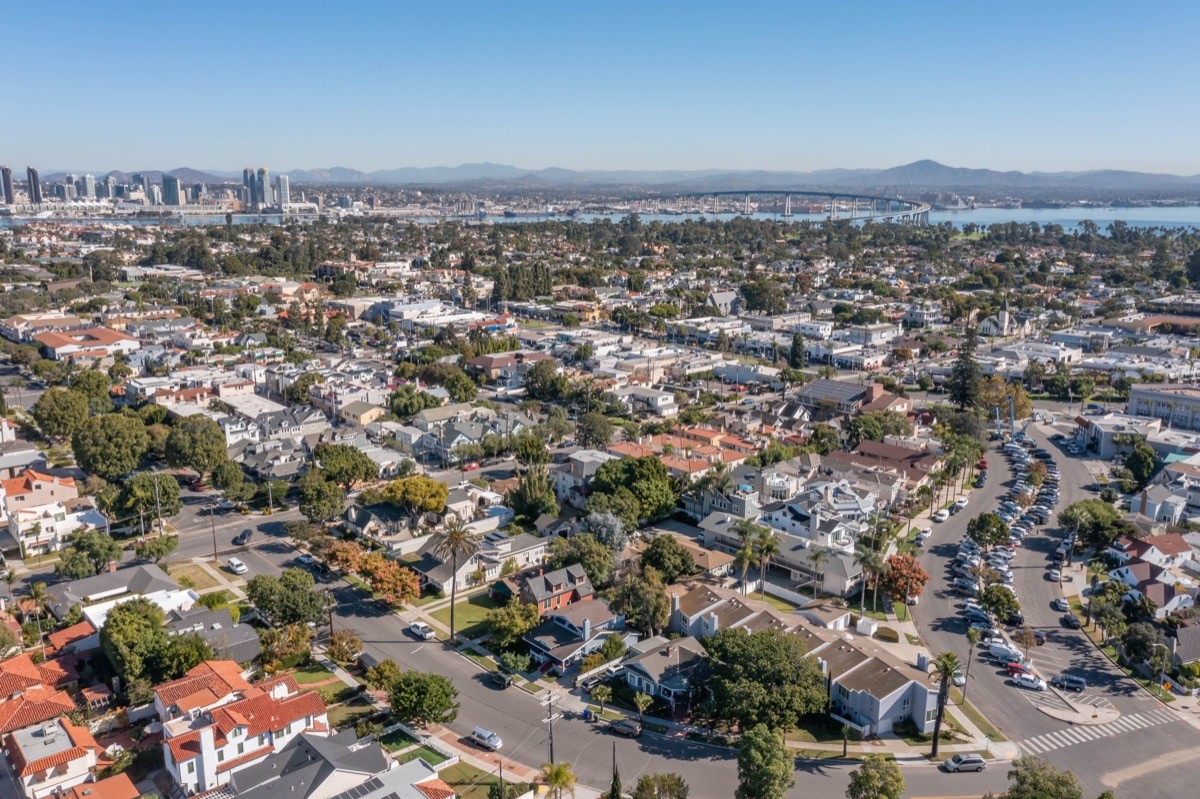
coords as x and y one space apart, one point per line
982 464
470 467
1019 668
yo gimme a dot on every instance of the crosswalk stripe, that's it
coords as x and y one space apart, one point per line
1076 735
1123 724
1090 733
1058 738
1139 722
1164 715
1032 747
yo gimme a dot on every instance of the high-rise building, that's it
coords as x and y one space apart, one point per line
249 187
89 187
156 195
171 190
283 197
264 187
6 180
110 187
35 185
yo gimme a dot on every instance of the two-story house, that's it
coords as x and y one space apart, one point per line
573 479
43 511
567 635
204 748
50 758
554 590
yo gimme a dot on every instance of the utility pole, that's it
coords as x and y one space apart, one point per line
329 605
157 506
550 717
270 498
212 522
142 517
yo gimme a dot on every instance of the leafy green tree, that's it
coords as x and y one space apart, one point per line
763 678
298 392
999 601
98 547
320 499
509 623
417 495
1139 640
543 382
966 375
621 504
1141 463
641 597
383 675
668 557
196 442
876 778
290 598
156 548
59 412
987 530
597 560
422 699
73 564
796 356
407 401
765 766
1034 778
660 786
593 431
345 464
138 495
110 446
646 478
94 385
607 528
531 450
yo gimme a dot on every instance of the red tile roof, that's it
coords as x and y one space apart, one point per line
33 705
208 682
119 786
258 714
82 741
27 480
435 789
69 635
19 673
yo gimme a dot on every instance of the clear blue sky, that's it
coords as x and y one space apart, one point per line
790 85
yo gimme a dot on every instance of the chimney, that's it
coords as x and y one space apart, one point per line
112 566
587 629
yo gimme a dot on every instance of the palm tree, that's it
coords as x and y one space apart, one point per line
600 695
973 636
944 666
870 562
10 577
766 547
456 541
642 702
744 557
558 778
817 558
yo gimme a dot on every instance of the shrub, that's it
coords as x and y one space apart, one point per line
887 634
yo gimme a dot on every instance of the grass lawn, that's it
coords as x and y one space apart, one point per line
426 598
428 755
201 579
312 673
350 713
873 611
468 615
357 582
397 739
467 781
777 603
819 729
483 660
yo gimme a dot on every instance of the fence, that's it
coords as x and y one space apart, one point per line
120 718
426 740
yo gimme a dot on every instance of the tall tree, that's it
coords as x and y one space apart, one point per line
1034 778
660 786
765 766
111 445
59 412
345 464
196 442
966 374
876 778
422 699
456 543
944 667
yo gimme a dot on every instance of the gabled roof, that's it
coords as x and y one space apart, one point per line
20 673
118 786
206 683
258 713
33 705
27 482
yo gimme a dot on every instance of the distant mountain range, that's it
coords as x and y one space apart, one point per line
919 174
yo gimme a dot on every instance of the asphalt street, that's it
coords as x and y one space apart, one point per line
1135 757
518 717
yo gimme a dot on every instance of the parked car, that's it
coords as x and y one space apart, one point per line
1061 604
305 559
486 739
1054 575
958 679
243 538
941 515
965 762
1068 682
1029 682
1072 621
1019 668
421 630
627 727
499 679
236 566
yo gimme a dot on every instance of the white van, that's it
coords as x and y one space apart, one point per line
1005 652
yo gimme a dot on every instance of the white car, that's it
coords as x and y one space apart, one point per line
1029 682
421 630
960 503
1054 575
941 515
236 566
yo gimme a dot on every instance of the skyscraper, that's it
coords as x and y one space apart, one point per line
284 194
171 190
110 187
89 187
264 187
35 185
249 187
6 179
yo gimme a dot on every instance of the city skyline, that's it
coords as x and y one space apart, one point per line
776 87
